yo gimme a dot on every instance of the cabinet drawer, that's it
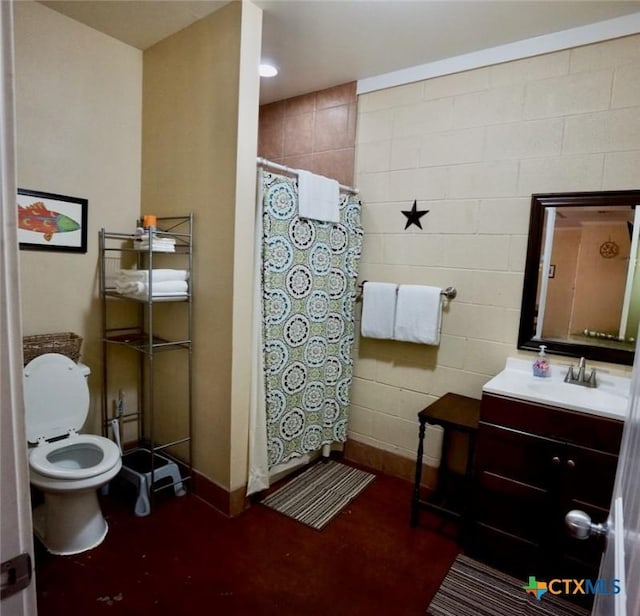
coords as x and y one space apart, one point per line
526 458
512 506
559 424
506 552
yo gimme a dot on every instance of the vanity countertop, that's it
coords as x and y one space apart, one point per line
610 399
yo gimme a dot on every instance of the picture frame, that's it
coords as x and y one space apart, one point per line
47 221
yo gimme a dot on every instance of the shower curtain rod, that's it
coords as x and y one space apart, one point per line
263 162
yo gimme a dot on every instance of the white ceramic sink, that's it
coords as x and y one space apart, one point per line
609 399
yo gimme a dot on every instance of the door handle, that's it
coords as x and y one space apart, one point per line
580 526
16 575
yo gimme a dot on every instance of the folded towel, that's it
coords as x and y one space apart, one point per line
158 244
143 297
155 246
418 314
159 275
169 241
158 288
144 237
378 309
318 197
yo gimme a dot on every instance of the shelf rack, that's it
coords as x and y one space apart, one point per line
150 460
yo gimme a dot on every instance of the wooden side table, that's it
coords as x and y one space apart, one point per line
455 413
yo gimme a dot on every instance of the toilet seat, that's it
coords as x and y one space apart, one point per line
56 397
93 455
56 406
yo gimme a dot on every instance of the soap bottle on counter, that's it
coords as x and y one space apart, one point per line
541 365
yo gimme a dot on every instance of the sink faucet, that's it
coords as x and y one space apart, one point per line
581 378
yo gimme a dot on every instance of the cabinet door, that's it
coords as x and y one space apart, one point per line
517 480
588 477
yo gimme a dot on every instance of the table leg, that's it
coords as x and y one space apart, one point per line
468 485
415 501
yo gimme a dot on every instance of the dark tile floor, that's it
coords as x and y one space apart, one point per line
188 559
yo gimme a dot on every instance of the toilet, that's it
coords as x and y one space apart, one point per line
66 466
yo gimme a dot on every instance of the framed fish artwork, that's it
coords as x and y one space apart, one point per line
51 222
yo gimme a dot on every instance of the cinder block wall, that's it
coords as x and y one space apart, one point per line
471 148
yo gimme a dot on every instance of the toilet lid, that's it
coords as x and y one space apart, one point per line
56 397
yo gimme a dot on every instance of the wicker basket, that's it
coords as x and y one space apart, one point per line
66 343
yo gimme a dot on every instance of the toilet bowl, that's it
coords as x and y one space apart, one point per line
66 466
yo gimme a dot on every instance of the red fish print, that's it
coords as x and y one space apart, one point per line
36 217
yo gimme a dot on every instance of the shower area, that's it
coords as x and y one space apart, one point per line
305 274
315 131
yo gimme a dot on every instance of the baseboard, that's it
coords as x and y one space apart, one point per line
234 503
388 463
228 503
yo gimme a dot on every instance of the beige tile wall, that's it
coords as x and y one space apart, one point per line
471 148
315 131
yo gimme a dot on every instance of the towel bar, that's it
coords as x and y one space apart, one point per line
450 292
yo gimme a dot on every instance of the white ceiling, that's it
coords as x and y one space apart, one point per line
321 43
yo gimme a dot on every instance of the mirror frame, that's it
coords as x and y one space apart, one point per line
532 267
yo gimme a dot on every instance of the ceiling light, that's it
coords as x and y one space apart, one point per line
268 70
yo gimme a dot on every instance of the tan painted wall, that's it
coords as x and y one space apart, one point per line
561 289
79 117
471 148
600 282
191 150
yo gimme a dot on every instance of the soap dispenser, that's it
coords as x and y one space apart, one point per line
541 365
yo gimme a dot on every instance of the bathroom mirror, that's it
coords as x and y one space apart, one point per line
581 294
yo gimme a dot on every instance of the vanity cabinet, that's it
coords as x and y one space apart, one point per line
533 464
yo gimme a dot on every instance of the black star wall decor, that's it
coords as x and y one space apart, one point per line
414 215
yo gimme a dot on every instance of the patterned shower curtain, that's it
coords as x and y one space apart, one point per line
309 289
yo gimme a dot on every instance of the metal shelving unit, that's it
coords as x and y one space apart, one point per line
152 460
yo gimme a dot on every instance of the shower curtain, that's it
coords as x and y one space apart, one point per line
308 275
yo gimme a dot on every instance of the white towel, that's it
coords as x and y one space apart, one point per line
156 246
418 314
161 297
158 240
158 288
318 197
378 309
159 275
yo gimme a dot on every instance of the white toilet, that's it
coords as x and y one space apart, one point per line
66 466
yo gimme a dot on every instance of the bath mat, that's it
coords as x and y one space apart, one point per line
317 495
473 589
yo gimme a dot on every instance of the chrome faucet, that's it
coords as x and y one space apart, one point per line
581 378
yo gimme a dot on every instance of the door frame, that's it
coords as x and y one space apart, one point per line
16 530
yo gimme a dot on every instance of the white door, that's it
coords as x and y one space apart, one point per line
16 538
621 560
